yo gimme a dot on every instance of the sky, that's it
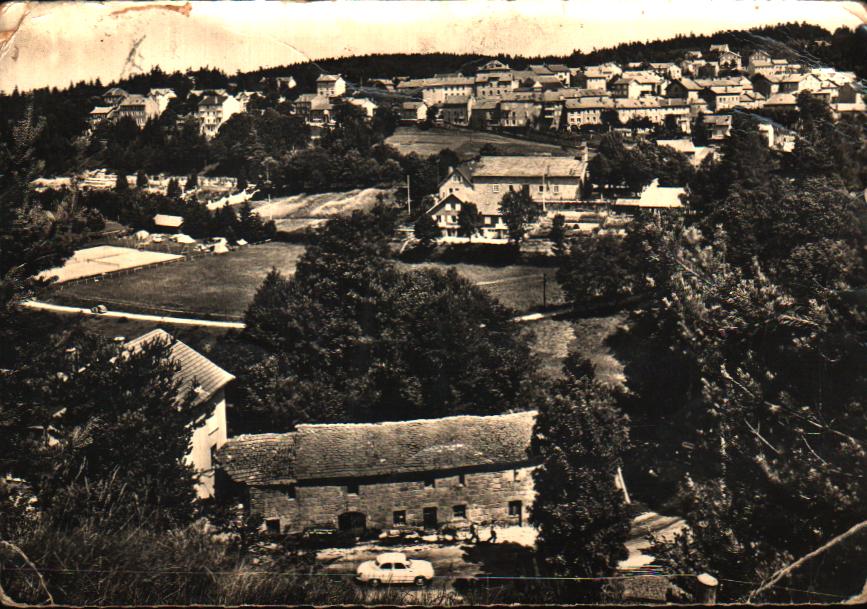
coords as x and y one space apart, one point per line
56 43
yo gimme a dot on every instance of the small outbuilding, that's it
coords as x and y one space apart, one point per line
168 222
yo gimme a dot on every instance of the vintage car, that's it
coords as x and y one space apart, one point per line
394 568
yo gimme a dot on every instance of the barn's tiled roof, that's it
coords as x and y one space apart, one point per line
267 458
528 166
195 370
369 449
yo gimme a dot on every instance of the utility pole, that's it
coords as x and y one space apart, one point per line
408 199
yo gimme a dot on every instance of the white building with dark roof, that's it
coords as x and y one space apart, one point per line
214 110
206 381
407 474
330 85
549 179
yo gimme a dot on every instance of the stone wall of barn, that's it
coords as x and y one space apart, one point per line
485 495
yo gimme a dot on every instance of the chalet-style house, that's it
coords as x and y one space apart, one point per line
408 474
207 381
549 180
214 110
330 85
139 108
413 112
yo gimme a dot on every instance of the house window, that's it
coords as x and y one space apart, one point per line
514 508
495 188
398 517
430 482
514 475
352 488
462 479
290 491
541 187
459 511
272 526
556 188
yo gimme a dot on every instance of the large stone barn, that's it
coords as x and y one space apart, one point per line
413 474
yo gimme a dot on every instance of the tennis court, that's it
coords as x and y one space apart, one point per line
104 259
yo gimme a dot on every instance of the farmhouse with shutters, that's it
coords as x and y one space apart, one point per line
408 474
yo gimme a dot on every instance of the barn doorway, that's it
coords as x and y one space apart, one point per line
430 517
353 522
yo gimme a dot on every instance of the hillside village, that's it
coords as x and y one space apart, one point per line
365 348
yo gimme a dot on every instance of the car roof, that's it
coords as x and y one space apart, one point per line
391 557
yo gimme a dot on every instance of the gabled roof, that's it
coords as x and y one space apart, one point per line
168 220
115 91
267 458
717 119
457 100
689 84
732 90
98 110
329 78
589 103
685 146
212 100
558 67
195 370
426 445
528 166
134 100
494 64
781 99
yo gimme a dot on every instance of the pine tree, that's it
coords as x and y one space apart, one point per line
141 179
104 399
426 230
518 210
192 182
173 190
120 183
558 235
469 220
580 436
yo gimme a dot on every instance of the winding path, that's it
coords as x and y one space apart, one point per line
179 321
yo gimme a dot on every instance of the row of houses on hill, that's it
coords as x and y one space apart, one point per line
214 108
559 97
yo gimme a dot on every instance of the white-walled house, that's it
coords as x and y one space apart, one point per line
207 381
549 180
330 85
214 110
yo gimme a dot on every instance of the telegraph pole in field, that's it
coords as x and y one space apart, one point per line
408 199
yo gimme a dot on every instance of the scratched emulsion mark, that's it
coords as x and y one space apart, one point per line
131 65
7 36
183 9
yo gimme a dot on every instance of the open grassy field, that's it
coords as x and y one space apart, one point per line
465 143
303 211
221 285
518 287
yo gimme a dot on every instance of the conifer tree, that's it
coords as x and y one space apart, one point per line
580 436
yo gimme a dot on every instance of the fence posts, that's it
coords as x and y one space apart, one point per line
707 586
